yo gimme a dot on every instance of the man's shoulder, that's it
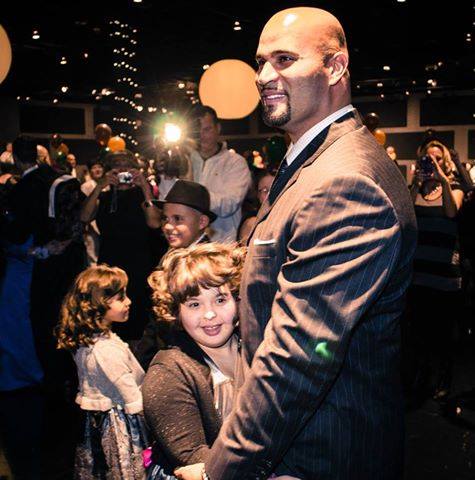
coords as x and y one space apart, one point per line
39 179
232 159
195 155
355 153
233 155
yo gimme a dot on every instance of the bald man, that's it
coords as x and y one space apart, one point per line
323 286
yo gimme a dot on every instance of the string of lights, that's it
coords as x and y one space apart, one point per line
124 44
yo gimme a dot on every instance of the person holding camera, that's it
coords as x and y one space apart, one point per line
436 290
127 218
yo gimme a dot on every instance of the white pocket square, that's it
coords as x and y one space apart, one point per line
257 241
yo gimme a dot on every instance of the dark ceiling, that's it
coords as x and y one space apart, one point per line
418 40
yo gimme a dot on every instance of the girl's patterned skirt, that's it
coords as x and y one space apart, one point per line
110 446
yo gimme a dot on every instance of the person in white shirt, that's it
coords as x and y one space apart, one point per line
223 172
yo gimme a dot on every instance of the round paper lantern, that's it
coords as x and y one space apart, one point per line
380 136
5 54
229 87
116 143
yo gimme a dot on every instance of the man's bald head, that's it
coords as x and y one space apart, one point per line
302 71
42 156
317 26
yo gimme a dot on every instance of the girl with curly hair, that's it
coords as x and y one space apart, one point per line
189 388
110 377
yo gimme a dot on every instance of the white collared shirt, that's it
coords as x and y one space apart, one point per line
198 240
227 178
294 149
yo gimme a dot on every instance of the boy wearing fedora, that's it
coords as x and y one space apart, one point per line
185 217
186 214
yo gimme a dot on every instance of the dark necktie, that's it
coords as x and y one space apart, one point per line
276 184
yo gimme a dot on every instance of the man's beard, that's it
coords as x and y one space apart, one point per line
272 120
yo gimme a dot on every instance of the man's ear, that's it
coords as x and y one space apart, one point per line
204 222
218 126
337 65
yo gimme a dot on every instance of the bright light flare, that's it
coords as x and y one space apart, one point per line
172 133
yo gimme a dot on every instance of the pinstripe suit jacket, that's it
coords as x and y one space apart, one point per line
322 292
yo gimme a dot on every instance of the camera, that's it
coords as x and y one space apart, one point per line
125 177
426 166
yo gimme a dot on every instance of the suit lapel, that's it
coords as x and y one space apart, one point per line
349 122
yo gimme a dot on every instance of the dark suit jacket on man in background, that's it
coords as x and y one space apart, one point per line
29 204
321 296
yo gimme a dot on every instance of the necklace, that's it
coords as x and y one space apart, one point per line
431 191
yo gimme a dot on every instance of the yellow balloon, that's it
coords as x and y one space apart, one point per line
5 54
380 136
229 87
116 143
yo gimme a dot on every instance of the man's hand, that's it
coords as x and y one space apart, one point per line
190 472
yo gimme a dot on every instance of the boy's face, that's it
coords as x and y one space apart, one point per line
182 225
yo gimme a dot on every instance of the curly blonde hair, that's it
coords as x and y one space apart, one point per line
86 304
185 270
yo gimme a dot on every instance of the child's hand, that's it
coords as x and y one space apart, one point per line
190 472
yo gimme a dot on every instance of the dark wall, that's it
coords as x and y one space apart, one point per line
406 143
450 110
9 119
392 113
45 119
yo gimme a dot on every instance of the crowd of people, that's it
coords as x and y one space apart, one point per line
211 319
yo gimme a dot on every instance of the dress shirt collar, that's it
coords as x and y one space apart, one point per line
198 240
297 147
